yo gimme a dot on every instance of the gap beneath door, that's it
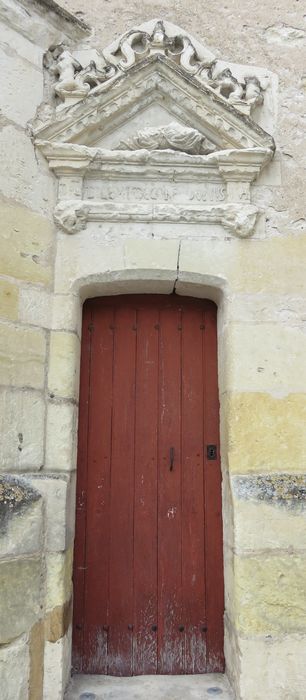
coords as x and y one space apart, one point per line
197 687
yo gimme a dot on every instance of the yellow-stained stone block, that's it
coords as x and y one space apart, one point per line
58 578
63 376
25 244
266 357
36 646
250 265
8 300
57 621
264 434
22 356
270 594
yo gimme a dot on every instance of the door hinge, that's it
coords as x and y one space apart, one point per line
90 327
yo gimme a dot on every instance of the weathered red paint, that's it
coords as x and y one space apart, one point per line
148 569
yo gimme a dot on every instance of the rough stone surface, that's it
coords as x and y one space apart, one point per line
25 242
61 425
21 586
57 655
58 578
58 495
23 355
14 669
22 415
63 375
275 432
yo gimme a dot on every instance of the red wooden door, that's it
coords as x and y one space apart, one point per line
148 572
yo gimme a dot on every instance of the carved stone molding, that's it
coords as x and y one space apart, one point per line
157 136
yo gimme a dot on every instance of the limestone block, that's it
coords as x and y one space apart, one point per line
58 578
259 526
8 300
14 670
63 375
158 254
270 594
250 265
21 596
266 357
61 440
35 306
282 668
24 181
22 353
264 433
57 667
25 244
58 495
85 257
21 87
22 415
267 308
67 313
21 518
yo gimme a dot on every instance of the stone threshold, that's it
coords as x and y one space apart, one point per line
197 687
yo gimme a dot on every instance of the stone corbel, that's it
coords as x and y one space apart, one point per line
240 221
71 216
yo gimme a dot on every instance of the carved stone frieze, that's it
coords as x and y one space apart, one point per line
137 46
72 216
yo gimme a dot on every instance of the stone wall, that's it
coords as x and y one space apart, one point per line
36 540
260 285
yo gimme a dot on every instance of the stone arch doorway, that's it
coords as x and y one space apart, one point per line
148 573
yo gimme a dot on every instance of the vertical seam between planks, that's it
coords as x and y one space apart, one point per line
157 490
134 486
181 317
110 486
204 428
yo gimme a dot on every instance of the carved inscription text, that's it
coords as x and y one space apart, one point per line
150 192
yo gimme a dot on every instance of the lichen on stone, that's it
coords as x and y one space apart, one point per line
286 490
15 496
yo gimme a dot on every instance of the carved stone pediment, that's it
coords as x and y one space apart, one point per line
153 130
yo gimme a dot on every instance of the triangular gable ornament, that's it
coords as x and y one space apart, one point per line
153 128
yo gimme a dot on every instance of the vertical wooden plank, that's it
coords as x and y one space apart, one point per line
81 491
170 638
213 500
120 646
193 564
145 501
98 492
